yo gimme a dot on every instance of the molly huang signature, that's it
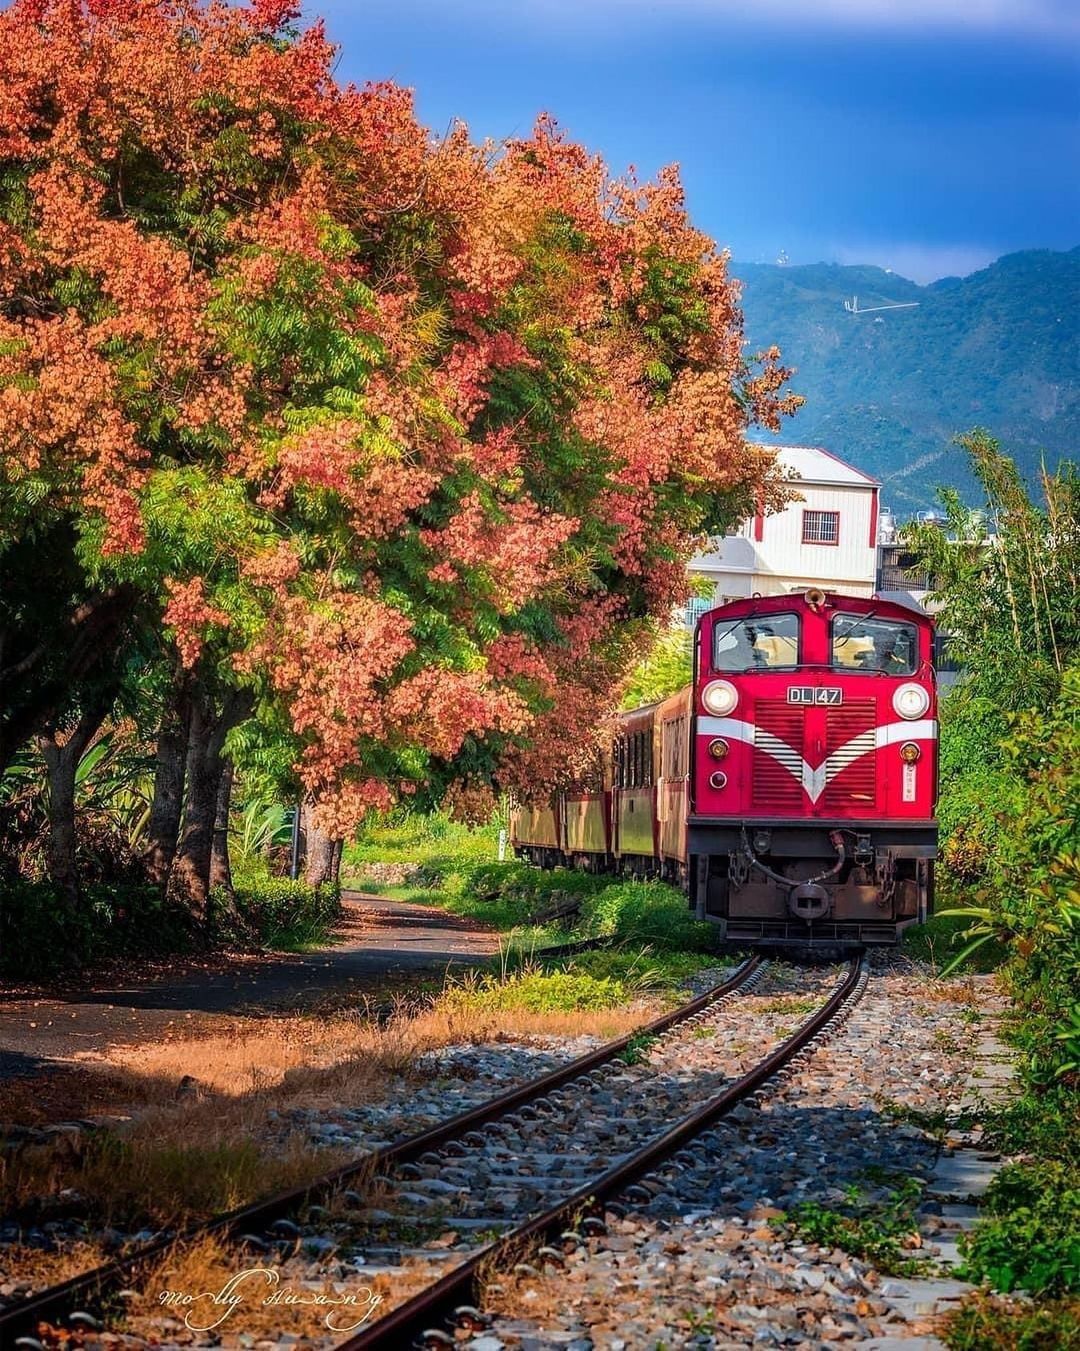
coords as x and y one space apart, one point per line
210 1308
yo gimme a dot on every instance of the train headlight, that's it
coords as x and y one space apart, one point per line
718 748
911 701
720 697
909 752
718 780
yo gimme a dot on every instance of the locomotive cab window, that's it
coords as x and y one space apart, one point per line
755 644
861 643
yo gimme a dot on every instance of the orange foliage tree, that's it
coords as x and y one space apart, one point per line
404 440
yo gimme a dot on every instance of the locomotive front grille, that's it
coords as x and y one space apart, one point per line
852 769
778 735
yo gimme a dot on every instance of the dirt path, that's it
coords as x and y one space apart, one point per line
384 946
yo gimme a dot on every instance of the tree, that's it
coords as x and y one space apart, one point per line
1006 576
1010 748
665 671
407 439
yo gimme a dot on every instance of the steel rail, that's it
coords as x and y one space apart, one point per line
402 1326
91 1288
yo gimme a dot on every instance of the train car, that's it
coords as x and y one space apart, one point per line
535 834
790 789
814 769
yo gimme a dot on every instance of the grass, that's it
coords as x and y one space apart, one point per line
986 1322
455 868
534 990
877 1224
181 1158
601 979
1028 1235
433 844
939 940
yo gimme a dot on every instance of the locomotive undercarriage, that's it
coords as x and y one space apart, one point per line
782 882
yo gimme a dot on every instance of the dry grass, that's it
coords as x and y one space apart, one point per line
299 1304
955 991
31 1266
214 1146
276 1057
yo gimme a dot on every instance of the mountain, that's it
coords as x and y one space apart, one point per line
998 349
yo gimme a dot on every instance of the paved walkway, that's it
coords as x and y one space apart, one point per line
384 945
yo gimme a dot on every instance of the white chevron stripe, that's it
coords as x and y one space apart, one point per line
815 780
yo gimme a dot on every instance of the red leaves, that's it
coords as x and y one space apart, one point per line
189 615
268 16
395 357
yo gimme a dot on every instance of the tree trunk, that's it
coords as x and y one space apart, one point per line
190 879
163 829
335 869
319 863
220 869
62 755
43 669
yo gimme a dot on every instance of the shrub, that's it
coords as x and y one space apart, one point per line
282 913
1027 889
1029 1235
645 912
40 938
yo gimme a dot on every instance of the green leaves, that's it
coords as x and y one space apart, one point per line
1029 1238
1010 747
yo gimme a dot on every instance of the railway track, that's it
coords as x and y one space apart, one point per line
449 1302
76 1303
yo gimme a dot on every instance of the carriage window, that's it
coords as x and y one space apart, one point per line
754 644
864 644
674 748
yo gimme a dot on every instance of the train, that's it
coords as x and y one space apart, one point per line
789 789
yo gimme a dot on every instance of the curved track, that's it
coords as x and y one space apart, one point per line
72 1300
450 1300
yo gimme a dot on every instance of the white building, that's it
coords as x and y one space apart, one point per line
826 537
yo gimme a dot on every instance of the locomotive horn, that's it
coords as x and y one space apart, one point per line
815 597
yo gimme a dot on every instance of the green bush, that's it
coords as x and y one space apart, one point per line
1044 1121
645 912
277 912
1015 876
41 939
1029 1235
979 785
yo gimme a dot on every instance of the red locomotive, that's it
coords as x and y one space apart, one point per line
790 789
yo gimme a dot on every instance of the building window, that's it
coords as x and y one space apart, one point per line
696 606
821 527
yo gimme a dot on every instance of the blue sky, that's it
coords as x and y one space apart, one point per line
929 136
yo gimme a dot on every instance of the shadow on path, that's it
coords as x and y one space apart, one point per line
383 944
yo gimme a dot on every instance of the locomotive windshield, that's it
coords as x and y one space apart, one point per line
862 643
754 644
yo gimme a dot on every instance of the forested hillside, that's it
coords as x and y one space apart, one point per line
999 349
